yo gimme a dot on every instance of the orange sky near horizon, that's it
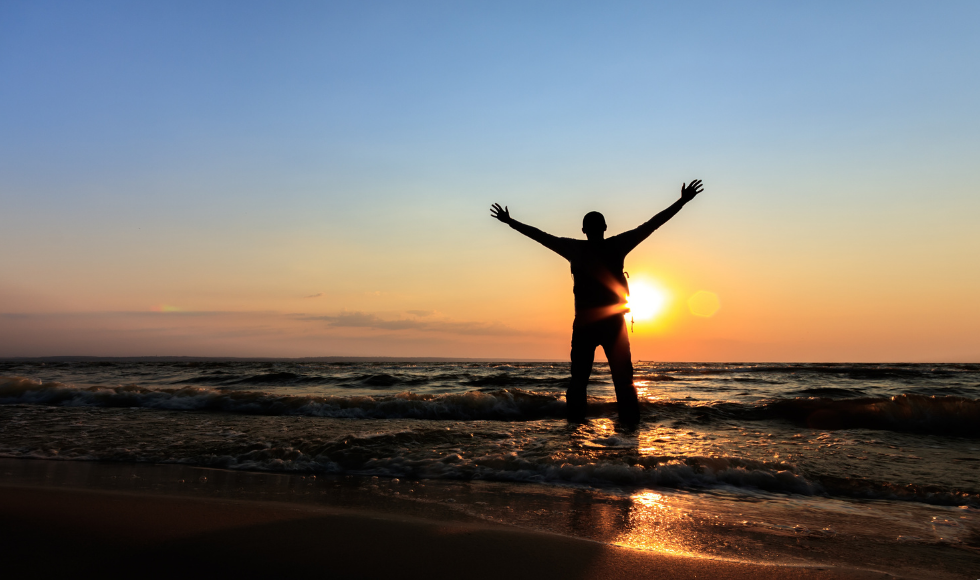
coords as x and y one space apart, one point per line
296 297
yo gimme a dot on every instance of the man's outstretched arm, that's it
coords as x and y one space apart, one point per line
549 241
633 238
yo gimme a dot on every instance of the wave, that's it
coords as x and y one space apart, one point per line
265 379
691 472
915 413
372 380
862 371
830 392
658 378
386 455
506 379
429 453
503 404
908 412
289 379
862 488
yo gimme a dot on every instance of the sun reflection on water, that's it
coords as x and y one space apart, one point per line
646 392
654 524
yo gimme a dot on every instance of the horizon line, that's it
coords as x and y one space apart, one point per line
188 358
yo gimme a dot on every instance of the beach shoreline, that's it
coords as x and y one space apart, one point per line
121 519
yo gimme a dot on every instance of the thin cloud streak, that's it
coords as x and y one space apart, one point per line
130 313
421 313
368 320
278 322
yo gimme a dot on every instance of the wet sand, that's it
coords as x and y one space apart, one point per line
47 532
51 527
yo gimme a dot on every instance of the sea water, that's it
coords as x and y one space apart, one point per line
754 461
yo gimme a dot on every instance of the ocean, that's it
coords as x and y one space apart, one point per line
872 464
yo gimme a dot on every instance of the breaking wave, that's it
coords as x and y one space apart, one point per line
371 380
385 455
503 404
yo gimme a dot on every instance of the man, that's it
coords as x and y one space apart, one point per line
600 299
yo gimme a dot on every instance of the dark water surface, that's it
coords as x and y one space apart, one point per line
809 449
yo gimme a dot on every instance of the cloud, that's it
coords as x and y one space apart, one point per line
367 320
421 313
317 295
262 333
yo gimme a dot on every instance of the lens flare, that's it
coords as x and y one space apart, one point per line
704 303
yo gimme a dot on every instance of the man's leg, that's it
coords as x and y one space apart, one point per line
583 354
617 347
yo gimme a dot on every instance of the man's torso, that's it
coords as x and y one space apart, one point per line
597 271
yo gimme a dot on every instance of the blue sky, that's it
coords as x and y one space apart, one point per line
157 141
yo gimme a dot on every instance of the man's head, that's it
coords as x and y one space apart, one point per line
594 225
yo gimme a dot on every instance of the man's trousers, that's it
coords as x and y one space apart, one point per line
609 333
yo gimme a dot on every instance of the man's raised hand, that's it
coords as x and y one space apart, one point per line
501 213
688 191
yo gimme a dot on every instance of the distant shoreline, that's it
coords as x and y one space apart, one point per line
420 359
328 359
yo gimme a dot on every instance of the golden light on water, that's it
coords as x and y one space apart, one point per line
654 524
649 499
646 299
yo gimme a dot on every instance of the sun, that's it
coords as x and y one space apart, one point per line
646 300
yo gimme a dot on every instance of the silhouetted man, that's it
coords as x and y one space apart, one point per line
600 299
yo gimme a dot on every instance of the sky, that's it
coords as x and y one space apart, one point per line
314 179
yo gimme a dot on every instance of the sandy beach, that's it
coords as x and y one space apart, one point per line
58 527
116 534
